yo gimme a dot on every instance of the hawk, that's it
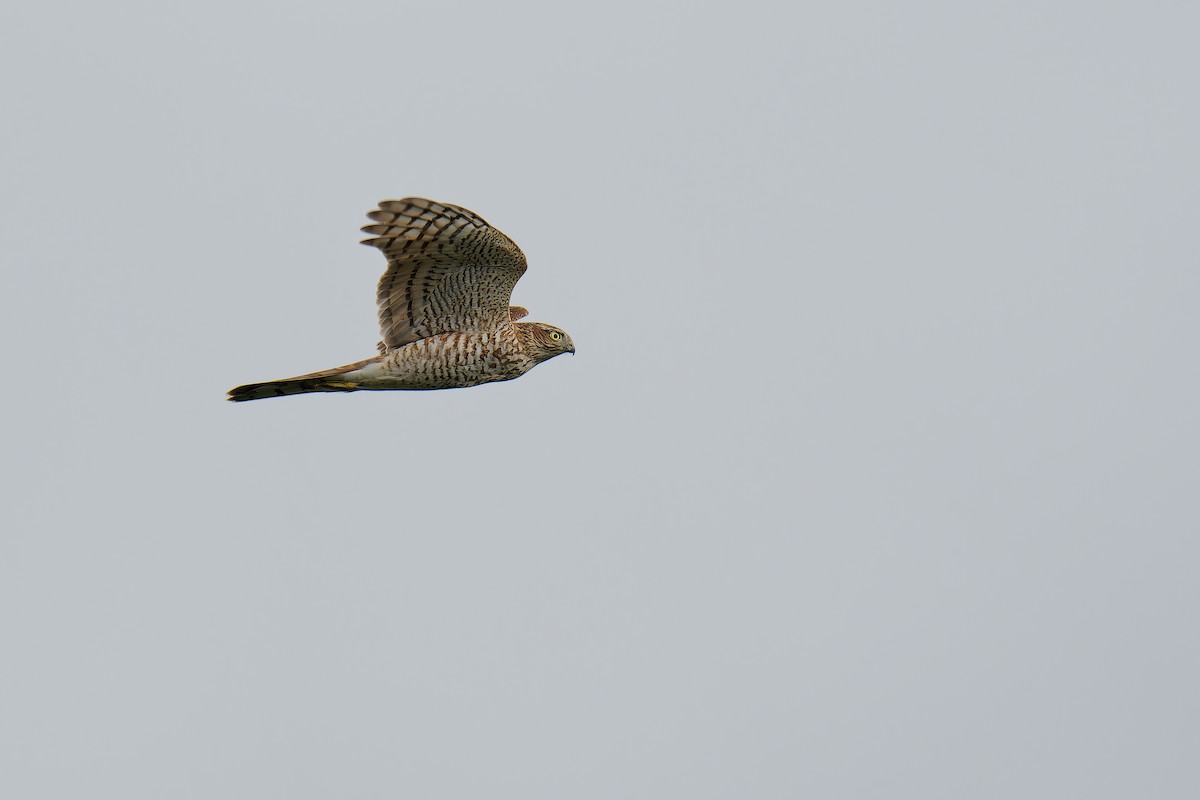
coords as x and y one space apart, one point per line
444 308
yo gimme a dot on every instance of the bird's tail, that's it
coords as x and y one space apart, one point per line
326 381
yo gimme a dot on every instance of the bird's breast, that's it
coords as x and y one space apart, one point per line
449 360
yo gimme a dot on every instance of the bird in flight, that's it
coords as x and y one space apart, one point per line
444 310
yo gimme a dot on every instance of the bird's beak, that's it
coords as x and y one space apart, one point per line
572 350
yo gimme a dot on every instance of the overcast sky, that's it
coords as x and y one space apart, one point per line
875 476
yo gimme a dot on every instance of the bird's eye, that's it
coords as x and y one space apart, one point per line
556 336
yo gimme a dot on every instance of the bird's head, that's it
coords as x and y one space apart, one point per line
544 341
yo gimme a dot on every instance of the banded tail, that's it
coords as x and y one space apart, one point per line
326 381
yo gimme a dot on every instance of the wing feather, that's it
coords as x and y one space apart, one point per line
448 270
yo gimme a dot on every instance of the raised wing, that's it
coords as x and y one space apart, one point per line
448 270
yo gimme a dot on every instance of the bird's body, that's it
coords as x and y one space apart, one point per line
450 360
443 307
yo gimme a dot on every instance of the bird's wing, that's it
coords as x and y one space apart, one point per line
448 270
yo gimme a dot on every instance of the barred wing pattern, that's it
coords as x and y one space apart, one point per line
448 270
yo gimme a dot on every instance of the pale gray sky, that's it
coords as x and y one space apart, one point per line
875 475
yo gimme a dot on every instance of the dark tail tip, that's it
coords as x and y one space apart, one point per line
251 391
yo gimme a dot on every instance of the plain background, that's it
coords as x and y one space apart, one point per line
875 475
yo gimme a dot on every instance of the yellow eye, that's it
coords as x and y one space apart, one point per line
556 336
